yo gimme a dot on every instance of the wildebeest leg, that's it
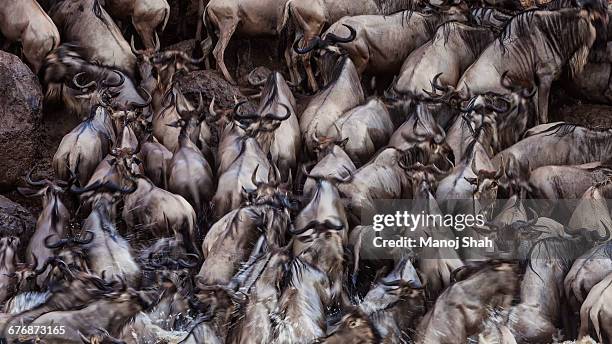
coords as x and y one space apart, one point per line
145 31
200 21
291 61
227 27
545 80
312 81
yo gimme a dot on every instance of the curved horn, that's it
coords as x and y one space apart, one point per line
157 44
184 264
310 225
279 118
332 226
57 244
316 42
136 51
529 94
211 109
118 83
34 182
595 236
146 103
332 38
44 267
506 82
315 138
438 86
246 115
254 177
89 236
75 81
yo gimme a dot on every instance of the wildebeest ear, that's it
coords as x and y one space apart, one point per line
27 192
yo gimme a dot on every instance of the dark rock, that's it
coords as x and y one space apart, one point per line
21 116
16 220
209 83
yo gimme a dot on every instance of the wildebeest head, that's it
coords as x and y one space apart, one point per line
163 65
325 145
505 271
274 192
422 172
353 327
46 188
485 184
260 126
431 139
329 54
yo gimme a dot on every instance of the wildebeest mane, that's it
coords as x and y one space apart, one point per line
474 38
387 7
518 26
563 129
560 249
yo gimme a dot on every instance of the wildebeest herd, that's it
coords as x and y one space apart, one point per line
172 219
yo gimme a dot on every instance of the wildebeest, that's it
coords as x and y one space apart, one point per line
87 24
395 302
333 162
588 270
155 160
65 70
341 94
595 311
223 18
26 22
51 222
82 149
453 48
532 61
230 240
151 212
110 313
566 139
249 168
300 313
8 260
368 127
284 143
451 320
540 312
146 16
403 31
263 287
189 174
108 254
302 18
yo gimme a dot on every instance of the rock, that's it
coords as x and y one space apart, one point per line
16 220
210 83
21 115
